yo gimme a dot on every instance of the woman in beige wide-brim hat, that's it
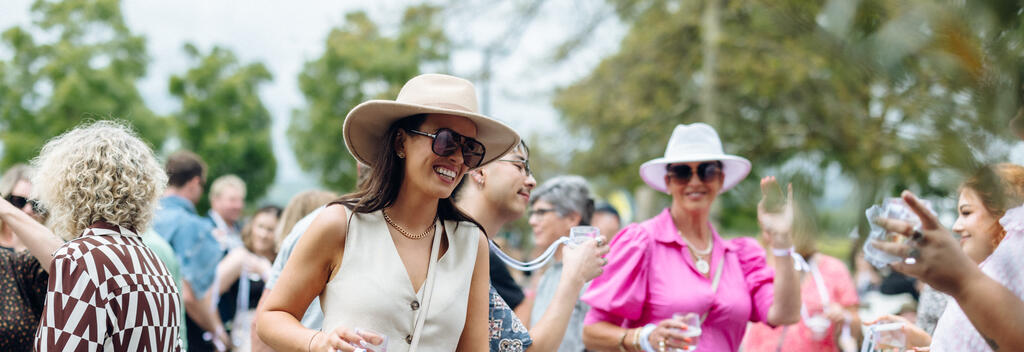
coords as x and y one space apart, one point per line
675 264
395 262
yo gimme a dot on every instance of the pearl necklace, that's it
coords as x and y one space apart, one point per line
406 233
702 264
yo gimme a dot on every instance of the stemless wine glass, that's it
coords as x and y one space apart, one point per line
693 330
582 234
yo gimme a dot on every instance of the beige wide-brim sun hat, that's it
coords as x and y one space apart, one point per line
431 93
692 143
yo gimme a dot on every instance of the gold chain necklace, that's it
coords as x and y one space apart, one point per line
406 233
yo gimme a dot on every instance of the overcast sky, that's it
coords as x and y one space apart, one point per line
284 35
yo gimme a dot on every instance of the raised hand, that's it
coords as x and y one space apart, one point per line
774 215
938 259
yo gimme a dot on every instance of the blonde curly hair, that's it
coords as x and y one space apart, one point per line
99 171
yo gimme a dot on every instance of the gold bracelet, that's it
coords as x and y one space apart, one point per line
622 341
636 339
309 345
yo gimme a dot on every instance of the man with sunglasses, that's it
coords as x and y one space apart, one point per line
495 195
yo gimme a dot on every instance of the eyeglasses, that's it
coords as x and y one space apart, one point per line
447 141
541 211
522 165
20 202
707 172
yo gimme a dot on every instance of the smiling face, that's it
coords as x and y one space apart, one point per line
263 225
426 171
548 225
977 228
507 184
693 194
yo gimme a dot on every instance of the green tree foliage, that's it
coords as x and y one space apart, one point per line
359 63
893 93
223 119
77 61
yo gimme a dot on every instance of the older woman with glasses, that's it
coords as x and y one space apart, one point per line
556 206
672 281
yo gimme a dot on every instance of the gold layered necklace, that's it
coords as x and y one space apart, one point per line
406 233
703 267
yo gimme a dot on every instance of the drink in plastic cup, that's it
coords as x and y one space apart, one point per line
888 337
367 335
891 208
693 330
582 234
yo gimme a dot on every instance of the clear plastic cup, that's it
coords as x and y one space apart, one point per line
693 330
582 234
891 208
369 335
887 337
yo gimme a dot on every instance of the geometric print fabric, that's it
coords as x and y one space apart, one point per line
109 292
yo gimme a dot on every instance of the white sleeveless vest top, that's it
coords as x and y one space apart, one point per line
372 289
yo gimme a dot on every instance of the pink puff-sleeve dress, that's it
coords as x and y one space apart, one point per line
650 275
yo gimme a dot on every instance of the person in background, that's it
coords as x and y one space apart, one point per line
727 283
197 250
556 206
829 299
16 188
227 200
495 195
243 273
984 198
607 220
107 290
297 215
23 274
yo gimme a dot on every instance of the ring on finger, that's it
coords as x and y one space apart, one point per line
916 236
661 345
912 256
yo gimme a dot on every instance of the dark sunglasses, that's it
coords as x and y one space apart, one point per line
20 202
707 172
447 141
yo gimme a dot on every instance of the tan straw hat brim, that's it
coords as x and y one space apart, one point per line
367 123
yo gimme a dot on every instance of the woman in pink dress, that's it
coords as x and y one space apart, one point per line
829 308
676 263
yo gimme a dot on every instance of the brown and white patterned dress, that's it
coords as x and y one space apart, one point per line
109 292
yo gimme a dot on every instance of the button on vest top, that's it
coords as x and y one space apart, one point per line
372 289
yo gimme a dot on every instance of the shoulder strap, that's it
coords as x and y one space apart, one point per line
428 289
714 283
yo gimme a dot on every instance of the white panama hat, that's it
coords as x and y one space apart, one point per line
690 143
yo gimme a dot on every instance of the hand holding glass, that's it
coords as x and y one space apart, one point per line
369 337
692 331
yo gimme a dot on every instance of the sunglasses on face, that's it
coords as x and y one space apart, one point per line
522 165
707 172
20 202
447 141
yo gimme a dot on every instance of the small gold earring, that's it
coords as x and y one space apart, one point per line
401 155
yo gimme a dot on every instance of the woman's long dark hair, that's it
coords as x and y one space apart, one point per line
381 186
